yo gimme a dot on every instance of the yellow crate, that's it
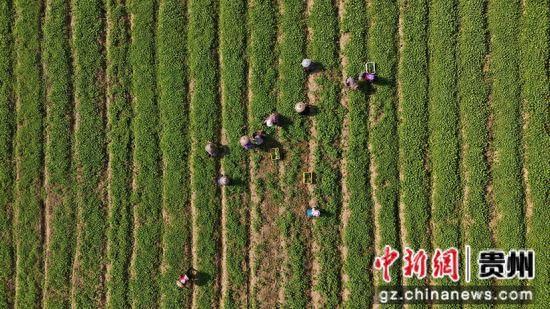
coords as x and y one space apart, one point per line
308 178
370 67
275 154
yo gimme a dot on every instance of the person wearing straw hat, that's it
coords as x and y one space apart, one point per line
301 108
307 65
222 181
351 83
272 120
211 149
246 143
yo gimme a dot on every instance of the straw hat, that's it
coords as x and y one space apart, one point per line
306 63
210 148
223 180
245 140
300 107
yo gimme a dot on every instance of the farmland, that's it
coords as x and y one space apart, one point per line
107 194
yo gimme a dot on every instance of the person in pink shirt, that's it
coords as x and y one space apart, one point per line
186 279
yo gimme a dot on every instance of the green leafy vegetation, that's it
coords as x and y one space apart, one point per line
107 194
119 113
28 214
146 195
444 153
323 49
234 115
413 125
472 96
89 154
204 127
7 174
533 67
175 146
382 122
58 177
503 22
359 233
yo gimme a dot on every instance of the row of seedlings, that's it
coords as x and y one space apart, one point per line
28 204
383 144
232 36
534 51
119 114
443 122
146 185
87 288
472 97
508 222
59 240
323 49
204 124
359 232
7 173
413 126
175 147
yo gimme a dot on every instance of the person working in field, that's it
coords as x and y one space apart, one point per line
351 83
301 108
313 212
186 279
367 77
258 138
272 120
246 143
211 149
307 65
222 181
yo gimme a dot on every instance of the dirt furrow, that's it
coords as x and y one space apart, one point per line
312 88
223 239
345 210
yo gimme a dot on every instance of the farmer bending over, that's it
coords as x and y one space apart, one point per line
185 279
351 83
246 143
313 212
272 120
211 149
301 108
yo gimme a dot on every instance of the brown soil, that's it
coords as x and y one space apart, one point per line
345 208
490 155
525 174
265 245
223 275
403 231
315 268
345 212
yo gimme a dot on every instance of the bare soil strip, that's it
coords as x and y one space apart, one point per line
312 88
223 239
194 237
315 267
345 215
194 258
401 205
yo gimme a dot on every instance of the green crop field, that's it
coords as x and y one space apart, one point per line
107 194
